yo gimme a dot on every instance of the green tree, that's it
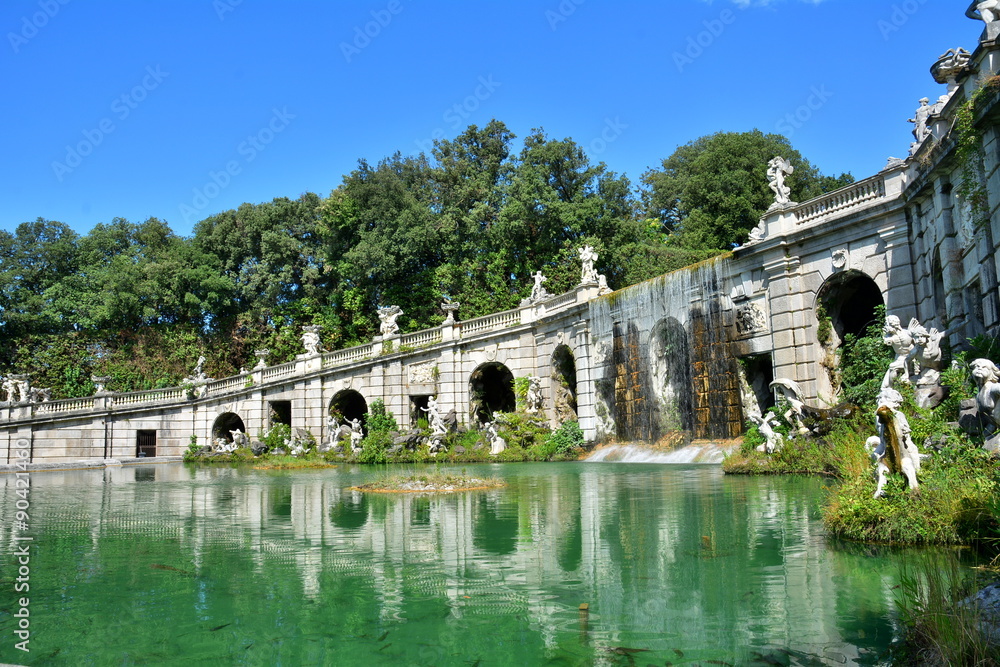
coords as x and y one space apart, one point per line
711 192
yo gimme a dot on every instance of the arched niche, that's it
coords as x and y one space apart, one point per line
348 404
849 299
491 389
225 424
564 383
670 358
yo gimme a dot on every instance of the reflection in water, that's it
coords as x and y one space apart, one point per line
233 565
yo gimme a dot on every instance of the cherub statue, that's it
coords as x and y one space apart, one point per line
777 169
896 451
534 397
199 369
987 377
356 434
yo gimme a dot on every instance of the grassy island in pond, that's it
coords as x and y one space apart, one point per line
430 483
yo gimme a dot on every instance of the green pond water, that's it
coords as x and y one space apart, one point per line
175 564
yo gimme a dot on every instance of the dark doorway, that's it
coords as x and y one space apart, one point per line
418 409
564 383
145 444
280 413
491 389
760 373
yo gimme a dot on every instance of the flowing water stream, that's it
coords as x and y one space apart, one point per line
677 564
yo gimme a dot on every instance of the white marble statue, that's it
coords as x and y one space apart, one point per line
758 233
534 398
896 451
434 417
777 169
538 290
497 444
764 425
791 392
588 258
602 285
310 339
987 377
261 358
199 373
988 10
239 438
356 434
23 385
387 316
901 342
10 389
921 130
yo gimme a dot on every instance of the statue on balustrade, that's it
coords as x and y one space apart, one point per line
986 10
387 316
588 273
777 169
310 339
538 291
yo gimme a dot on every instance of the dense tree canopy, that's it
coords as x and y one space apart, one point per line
471 222
711 192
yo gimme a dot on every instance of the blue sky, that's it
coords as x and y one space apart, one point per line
185 108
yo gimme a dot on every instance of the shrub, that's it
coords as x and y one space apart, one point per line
378 419
568 436
276 437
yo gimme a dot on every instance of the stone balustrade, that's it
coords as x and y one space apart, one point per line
839 202
299 367
507 318
348 356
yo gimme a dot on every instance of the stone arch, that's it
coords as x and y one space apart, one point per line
670 357
224 424
491 389
849 299
564 383
348 404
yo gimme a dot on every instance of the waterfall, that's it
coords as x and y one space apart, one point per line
698 453
662 358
